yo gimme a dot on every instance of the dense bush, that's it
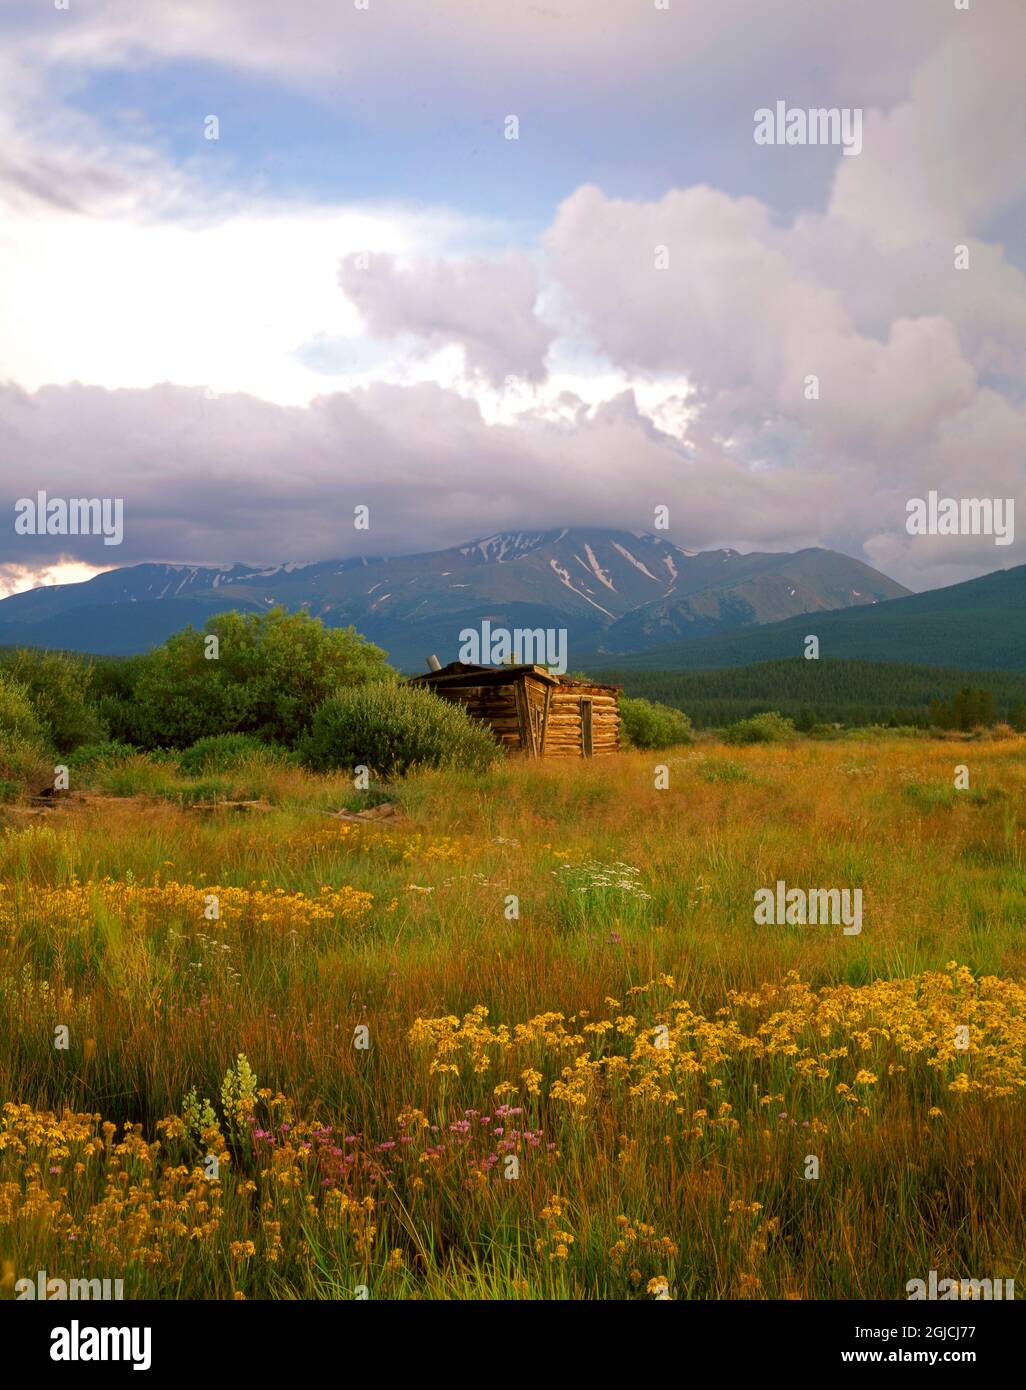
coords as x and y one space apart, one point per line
58 687
23 755
392 728
24 764
225 753
91 754
112 691
646 724
271 672
18 718
770 727
139 774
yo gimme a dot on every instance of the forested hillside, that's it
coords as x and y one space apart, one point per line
980 624
824 691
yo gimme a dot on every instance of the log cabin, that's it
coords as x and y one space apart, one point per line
532 711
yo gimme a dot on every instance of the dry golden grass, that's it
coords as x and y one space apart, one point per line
641 1155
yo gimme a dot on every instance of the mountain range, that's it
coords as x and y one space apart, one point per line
979 624
616 593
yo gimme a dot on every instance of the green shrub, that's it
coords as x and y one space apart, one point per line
9 791
226 753
112 691
26 762
18 717
59 689
89 755
393 728
761 728
646 724
24 759
271 672
138 775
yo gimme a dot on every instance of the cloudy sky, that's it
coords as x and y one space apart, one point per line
362 292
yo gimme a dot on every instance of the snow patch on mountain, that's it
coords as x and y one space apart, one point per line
650 539
595 568
289 568
506 546
564 576
635 562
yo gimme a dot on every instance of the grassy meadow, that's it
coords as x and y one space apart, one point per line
524 1040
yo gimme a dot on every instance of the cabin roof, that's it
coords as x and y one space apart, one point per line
460 672
568 684
483 675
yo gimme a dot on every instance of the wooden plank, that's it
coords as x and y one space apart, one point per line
526 727
587 743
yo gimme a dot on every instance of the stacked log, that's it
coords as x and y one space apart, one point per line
565 734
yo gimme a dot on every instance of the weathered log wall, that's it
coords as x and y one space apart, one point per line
495 705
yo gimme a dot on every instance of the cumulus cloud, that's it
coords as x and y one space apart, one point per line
945 159
704 313
865 298
238 478
486 307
